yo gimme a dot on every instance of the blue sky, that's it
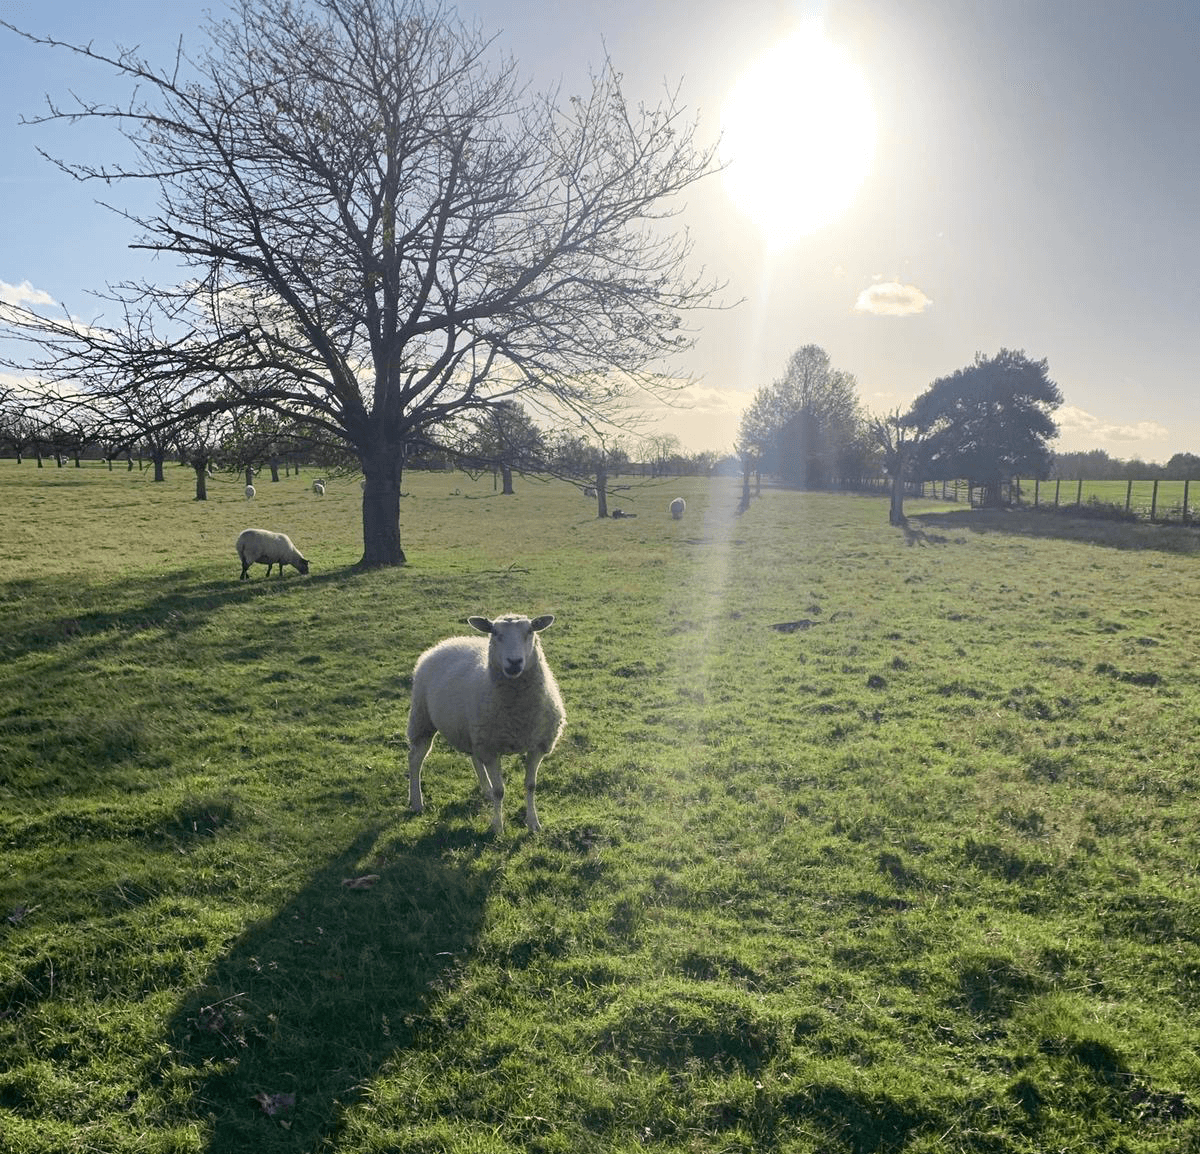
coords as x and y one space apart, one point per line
1035 184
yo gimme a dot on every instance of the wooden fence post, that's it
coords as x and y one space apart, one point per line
1186 515
1057 483
1154 501
1079 492
1036 486
1128 493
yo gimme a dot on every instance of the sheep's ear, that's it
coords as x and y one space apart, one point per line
480 623
543 622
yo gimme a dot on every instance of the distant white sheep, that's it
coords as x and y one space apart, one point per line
487 697
250 491
319 488
262 547
677 507
589 490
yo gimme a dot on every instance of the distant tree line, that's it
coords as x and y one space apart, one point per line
1097 465
500 438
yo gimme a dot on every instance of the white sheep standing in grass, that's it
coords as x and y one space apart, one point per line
262 547
250 491
677 507
319 488
487 696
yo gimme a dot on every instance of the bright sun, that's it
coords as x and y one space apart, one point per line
798 137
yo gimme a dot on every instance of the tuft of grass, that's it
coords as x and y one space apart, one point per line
857 840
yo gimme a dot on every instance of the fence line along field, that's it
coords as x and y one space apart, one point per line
858 839
1154 500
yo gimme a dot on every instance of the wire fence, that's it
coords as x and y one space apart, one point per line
1163 501
1159 500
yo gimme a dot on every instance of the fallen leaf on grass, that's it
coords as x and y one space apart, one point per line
363 883
272 1104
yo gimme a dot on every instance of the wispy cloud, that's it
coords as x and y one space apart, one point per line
892 299
1078 425
704 417
23 294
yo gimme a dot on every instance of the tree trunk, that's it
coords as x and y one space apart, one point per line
601 492
201 468
381 509
506 473
896 513
274 468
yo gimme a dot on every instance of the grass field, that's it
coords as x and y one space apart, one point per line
858 840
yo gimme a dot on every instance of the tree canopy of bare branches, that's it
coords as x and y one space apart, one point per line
378 227
806 426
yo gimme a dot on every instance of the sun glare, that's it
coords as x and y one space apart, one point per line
798 137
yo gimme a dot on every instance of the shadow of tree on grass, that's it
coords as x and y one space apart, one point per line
306 1007
175 601
1064 527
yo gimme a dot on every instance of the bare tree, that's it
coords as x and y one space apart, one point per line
821 417
662 448
760 423
590 462
380 229
899 439
504 438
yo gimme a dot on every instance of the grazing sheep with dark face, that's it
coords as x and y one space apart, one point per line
262 547
487 696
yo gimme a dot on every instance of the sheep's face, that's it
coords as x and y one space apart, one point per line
513 644
302 565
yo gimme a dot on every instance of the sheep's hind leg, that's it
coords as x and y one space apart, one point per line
532 760
491 781
418 747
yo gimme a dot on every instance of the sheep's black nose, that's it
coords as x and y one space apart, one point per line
513 668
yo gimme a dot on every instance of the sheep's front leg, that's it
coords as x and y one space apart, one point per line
532 760
491 781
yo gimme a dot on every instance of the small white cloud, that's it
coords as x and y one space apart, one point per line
892 299
1076 425
23 294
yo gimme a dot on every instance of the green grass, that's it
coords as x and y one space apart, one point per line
916 871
